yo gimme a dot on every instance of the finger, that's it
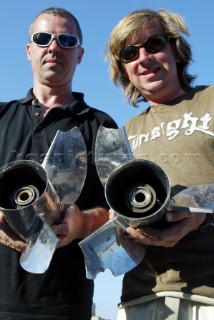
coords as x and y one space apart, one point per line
10 238
172 216
166 237
12 242
60 229
2 219
139 235
62 242
111 214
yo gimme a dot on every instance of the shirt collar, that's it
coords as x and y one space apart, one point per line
78 107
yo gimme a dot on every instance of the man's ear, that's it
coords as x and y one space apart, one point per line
81 53
28 51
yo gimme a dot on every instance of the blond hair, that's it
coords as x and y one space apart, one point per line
173 26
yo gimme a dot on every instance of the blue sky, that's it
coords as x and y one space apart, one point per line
97 18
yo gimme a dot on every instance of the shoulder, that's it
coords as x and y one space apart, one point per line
204 91
103 117
134 123
8 104
209 90
91 114
203 97
16 102
11 107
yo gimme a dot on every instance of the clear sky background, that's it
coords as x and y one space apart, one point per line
97 18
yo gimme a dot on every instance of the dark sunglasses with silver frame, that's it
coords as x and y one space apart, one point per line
65 40
153 45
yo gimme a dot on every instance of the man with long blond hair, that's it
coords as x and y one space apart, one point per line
149 58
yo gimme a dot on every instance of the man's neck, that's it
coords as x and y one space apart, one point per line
50 98
166 98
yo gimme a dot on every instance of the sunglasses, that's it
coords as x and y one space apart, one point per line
65 40
153 44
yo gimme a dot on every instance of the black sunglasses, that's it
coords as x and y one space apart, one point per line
153 44
65 40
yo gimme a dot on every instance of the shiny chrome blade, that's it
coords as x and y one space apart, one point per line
199 198
41 246
66 164
111 150
110 248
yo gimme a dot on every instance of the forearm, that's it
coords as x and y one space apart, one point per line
90 220
79 224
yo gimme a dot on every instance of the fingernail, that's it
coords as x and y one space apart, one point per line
129 230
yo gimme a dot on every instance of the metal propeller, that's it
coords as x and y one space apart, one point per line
33 196
139 193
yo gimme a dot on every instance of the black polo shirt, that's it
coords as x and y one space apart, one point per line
62 292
